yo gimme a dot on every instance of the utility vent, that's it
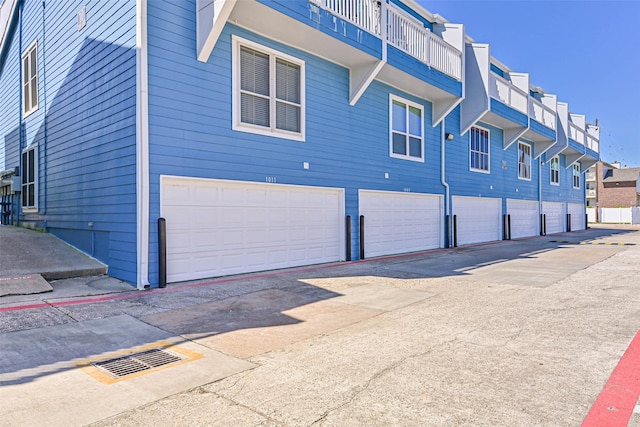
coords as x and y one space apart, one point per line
137 362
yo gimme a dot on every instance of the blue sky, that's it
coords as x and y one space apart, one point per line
586 52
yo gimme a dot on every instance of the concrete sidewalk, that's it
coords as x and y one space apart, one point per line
511 333
28 259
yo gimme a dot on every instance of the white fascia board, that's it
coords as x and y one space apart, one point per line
500 65
211 16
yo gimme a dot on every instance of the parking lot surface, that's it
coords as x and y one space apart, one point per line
526 332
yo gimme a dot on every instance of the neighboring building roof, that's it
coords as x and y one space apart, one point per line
622 175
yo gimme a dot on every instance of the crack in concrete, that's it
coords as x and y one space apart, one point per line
358 390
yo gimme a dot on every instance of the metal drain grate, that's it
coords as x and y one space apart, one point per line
137 362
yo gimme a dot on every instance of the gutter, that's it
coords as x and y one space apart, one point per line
443 181
142 148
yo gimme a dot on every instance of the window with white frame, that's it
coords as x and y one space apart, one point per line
479 149
524 161
29 177
407 129
268 91
576 175
555 170
30 79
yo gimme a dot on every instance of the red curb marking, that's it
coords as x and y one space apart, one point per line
614 406
136 294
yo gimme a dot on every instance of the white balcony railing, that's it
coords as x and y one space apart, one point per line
362 13
593 143
591 193
504 91
541 113
403 32
576 133
412 38
590 176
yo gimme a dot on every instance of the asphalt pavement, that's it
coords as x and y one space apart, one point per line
523 332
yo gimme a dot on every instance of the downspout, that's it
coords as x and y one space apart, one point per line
540 163
44 143
447 207
142 147
18 202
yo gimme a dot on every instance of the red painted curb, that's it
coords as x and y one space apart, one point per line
614 406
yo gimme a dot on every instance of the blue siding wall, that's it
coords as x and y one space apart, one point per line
10 89
564 192
191 135
91 200
84 128
501 182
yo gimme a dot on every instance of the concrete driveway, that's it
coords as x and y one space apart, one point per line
524 332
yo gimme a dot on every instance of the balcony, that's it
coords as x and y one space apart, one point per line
506 92
591 193
541 113
403 32
590 175
411 37
576 133
577 140
502 99
364 14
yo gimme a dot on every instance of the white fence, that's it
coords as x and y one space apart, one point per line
615 215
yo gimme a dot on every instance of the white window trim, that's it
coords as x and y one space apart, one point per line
472 169
573 176
530 162
24 170
26 54
551 171
392 98
237 125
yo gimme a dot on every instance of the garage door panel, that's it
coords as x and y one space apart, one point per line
478 219
400 222
555 217
219 227
524 216
578 213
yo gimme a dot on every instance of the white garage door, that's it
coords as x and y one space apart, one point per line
525 219
217 227
397 222
578 213
555 216
479 219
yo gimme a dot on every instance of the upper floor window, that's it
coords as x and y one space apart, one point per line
479 149
524 161
576 175
407 129
268 91
30 79
555 170
29 178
